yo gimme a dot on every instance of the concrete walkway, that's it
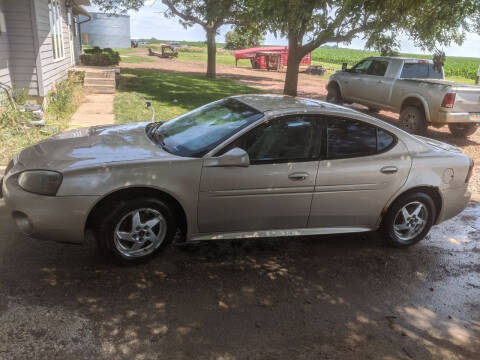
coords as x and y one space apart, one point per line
96 110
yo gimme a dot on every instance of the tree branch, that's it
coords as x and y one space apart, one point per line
185 17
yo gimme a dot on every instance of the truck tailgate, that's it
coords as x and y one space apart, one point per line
467 99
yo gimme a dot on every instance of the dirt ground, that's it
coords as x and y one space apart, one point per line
332 297
336 297
308 86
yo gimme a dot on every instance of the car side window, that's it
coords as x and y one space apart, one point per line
292 138
362 67
378 68
354 138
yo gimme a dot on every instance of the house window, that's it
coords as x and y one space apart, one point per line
55 14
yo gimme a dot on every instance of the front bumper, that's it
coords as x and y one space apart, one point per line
57 218
454 201
453 117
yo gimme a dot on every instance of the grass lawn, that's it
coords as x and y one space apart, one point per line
172 94
134 59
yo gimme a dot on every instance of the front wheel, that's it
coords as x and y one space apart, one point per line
408 219
333 95
462 130
136 230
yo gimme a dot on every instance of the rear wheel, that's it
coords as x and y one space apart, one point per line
462 130
412 120
408 219
136 230
333 95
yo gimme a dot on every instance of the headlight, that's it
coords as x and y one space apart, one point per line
42 182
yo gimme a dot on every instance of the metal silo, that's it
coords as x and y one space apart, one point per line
106 31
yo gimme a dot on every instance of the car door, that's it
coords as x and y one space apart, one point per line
364 166
377 85
275 190
353 81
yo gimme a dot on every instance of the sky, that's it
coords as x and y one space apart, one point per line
150 22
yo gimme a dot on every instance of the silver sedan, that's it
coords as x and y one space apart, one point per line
245 166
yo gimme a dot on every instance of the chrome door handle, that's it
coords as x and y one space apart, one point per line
298 176
389 169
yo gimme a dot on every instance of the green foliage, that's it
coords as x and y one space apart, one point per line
172 94
100 57
243 37
15 131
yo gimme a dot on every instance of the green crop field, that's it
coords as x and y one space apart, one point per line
454 66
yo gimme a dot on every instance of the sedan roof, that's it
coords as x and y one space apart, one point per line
265 103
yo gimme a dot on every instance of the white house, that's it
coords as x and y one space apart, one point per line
39 42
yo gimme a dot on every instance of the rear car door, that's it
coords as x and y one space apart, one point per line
363 168
275 191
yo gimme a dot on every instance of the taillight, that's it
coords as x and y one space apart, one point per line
470 171
448 100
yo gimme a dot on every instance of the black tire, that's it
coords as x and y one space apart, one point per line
392 218
412 120
107 226
333 95
462 130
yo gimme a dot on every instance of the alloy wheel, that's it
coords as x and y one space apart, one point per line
140 232
410 221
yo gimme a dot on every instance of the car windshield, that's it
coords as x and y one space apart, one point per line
197 132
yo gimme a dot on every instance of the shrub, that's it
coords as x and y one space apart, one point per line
15 131
100 57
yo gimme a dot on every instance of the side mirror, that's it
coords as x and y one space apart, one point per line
234 157
344 67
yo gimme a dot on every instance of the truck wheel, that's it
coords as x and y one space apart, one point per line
462 130
333 95
412 120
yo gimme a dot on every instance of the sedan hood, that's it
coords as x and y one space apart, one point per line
93 146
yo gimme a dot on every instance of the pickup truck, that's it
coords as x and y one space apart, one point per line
411 87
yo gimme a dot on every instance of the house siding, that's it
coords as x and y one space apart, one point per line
53 71
26 53
4 52
22 67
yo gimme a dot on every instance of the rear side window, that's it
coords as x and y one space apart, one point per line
378 68
420 71
353 138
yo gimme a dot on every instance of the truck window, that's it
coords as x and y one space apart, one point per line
420 71
361 67
378 68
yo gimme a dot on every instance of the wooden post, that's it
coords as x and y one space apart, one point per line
478 76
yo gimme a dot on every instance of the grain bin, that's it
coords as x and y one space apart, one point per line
106 31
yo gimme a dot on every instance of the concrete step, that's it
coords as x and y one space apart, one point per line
99 81
110 74
100 89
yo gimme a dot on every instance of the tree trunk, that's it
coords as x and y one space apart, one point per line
293 63
212 53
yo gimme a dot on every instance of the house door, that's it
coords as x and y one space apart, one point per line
71 29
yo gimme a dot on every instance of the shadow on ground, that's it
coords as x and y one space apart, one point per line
296 298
